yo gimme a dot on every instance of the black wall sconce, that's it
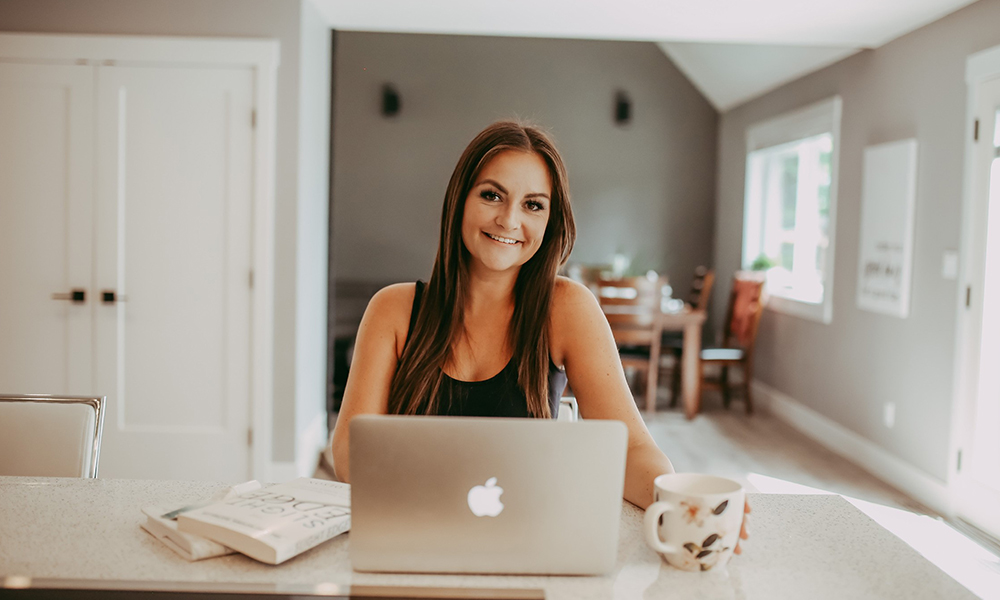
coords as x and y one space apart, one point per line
390 101
623 108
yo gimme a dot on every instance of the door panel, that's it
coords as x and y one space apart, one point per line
977 488
173 241
46 218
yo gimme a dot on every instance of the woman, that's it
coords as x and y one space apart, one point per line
495 323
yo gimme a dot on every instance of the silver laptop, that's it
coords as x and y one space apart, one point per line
485 495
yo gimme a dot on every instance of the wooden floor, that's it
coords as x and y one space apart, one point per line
730 444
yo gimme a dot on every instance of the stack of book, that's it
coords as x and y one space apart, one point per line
270 524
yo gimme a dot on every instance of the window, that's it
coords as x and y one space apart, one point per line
790 207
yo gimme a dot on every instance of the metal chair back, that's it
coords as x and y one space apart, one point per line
51 436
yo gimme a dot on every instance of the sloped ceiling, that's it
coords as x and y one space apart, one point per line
731 74
732 50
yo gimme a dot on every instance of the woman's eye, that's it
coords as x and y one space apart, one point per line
490 195
535 205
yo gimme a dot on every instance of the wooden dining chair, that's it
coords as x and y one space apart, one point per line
632 307
746 306
701 288
673 341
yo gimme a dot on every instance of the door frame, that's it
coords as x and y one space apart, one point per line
980 67
262 56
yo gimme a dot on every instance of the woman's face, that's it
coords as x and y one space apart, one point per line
507 210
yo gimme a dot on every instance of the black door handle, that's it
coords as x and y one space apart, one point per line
76 296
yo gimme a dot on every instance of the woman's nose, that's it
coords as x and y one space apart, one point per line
508 218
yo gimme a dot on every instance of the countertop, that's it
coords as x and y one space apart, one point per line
801 546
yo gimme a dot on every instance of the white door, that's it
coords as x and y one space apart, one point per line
46 202
978 483
173 243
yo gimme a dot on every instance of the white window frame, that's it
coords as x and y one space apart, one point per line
815 119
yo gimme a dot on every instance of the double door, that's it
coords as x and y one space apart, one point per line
126 257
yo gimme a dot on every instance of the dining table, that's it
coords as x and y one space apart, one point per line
640 309
74 532
689 321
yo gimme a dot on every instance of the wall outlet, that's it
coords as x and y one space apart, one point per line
889 414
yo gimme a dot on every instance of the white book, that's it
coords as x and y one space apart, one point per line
277 522
161 523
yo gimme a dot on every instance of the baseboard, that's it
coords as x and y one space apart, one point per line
863 452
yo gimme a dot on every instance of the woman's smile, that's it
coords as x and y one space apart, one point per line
502 240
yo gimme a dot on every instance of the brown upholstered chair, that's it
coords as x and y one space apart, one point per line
632 307
746 306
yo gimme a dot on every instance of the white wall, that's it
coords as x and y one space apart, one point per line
312 237
846 371
301 164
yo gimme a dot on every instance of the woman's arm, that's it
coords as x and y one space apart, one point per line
376 353
582 338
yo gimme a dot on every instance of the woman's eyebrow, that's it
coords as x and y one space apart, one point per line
494 183
502 189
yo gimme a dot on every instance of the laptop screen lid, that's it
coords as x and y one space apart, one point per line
485 495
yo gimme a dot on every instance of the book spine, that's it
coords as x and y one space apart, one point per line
312 541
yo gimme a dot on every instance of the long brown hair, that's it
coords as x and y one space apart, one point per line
417 382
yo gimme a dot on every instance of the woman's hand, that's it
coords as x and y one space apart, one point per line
743 529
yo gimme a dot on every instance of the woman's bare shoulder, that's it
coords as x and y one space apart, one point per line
388 314
574 313
393 302
390 307
571 296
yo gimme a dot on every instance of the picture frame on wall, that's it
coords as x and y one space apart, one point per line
888 202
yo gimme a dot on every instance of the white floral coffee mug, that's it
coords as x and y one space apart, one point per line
694 521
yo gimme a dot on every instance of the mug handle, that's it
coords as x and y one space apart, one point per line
650 527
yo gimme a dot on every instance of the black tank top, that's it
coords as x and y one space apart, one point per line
498 396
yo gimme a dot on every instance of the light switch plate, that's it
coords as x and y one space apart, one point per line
889 414
949 266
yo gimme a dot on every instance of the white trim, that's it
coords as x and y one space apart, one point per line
266 91
966 323
982 65
263 57
71 49
979 68
857 449
814 119
821 313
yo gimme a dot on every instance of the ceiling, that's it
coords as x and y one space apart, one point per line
732 50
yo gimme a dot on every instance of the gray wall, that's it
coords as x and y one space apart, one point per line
646 189
298 186
847 370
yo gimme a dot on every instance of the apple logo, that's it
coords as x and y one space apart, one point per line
484 500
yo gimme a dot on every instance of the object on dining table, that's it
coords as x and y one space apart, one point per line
161 523
694 524
277 522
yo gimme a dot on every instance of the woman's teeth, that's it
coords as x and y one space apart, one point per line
501 239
